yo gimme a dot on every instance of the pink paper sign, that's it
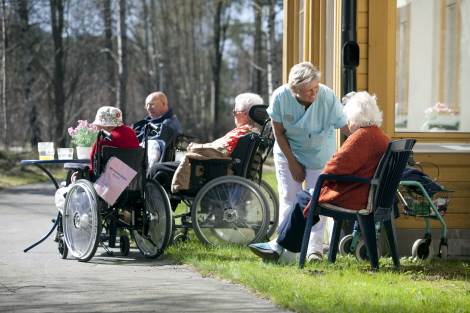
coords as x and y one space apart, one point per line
116 177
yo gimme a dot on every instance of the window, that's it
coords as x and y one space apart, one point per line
432 59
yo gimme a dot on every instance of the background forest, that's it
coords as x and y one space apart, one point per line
62 59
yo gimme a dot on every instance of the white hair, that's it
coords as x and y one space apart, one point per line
361 109
244 101
302 73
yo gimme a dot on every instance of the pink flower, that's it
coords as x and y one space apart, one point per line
84 134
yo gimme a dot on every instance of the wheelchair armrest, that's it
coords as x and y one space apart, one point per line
76 166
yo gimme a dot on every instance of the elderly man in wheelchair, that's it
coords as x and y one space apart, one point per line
134 205
221 182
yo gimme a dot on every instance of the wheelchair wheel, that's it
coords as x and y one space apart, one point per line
345 243
61 245
155 232
273 205
82 220
124 245
361 251
230 209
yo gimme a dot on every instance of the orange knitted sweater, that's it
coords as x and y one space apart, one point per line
359 156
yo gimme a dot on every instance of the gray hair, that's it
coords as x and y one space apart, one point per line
361 109
302 73
244 101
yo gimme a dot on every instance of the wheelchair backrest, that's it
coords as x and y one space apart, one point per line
134 158
244 153
259 114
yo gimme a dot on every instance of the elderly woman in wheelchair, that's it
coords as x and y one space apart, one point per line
139 208
221 207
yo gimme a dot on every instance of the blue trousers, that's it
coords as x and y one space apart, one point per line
291 230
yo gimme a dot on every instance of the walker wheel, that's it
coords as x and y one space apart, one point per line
124 245
422 249
344 247
361 251
443 251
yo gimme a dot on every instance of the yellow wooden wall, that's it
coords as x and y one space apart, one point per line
376 73
362 22
454 169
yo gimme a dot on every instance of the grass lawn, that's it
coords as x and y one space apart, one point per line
346 286
12 174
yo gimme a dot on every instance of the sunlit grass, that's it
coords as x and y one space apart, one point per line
346 286
13 174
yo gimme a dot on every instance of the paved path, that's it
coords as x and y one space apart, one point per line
39 281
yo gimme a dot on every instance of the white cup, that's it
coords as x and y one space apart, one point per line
46 150
65 153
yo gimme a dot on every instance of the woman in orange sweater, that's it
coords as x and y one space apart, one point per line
359 156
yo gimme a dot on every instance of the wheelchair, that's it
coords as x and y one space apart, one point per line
222 208
87 221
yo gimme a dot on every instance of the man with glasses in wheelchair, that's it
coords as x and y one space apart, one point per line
224 208
222 147
87 220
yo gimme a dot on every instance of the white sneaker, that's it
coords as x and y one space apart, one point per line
315 257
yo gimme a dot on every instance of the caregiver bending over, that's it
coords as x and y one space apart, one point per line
358 156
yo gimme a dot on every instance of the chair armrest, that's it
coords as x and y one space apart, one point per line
331 177
344 178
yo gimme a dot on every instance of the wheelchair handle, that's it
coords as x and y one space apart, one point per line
105 135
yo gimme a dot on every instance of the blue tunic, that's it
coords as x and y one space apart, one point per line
310 132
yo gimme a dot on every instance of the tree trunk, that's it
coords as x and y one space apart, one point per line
27 70
147 48
122 58
220 30
57 21
108 45
4 78
155 55
256 79
270 46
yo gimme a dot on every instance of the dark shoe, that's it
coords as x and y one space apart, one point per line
264 251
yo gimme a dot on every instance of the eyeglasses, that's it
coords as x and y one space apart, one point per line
234 112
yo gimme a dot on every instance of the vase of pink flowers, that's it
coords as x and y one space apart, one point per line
83 137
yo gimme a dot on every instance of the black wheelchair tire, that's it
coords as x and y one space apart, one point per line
273 203
164 215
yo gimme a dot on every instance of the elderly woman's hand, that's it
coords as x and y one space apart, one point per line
297 171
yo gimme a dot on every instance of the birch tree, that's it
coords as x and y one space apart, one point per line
4 77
